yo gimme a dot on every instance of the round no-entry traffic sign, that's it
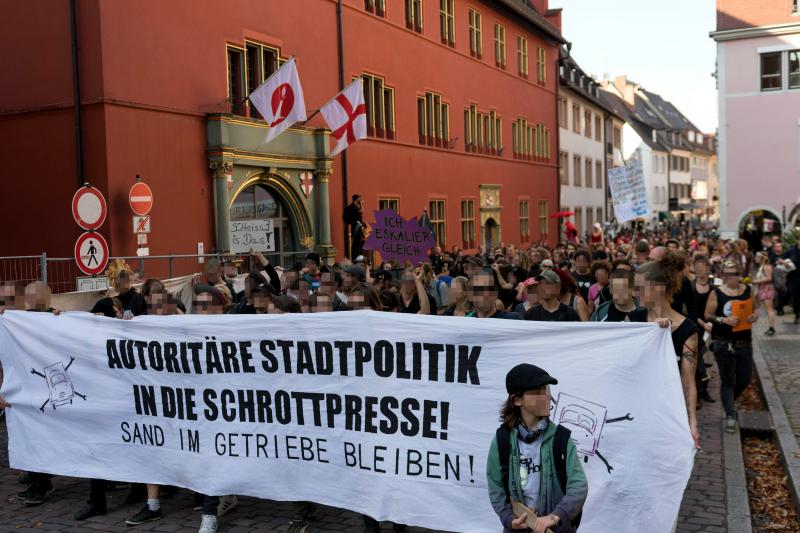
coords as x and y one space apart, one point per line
89 208
141 199
91 253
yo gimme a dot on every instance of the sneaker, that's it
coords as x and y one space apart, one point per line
22 496
89 511
227 504
298 526
37 494
144 516
208 524
730 424
770 332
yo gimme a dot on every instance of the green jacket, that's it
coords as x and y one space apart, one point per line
551 499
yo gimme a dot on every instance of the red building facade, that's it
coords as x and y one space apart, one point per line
462 109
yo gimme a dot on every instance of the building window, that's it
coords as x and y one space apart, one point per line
599 216
541 142
389 203
376 6
483 132
587 123
499 46
562 112
563 167
438 217
543 214
588 177
794 69
598 174
795 7
447 22
579 221
522 56
247 69
771 71
236 86
617 137
475 34
576 118
379 100
524 139
598 129
541 65
433 116
468 223
414 15
576 170
524 220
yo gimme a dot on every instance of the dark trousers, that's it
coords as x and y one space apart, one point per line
39 479
97 493
735 364
210 504
794 294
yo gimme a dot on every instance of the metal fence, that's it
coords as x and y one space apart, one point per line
62 273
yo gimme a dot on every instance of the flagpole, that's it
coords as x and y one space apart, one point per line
340 50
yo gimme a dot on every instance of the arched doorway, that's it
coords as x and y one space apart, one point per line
756 223
259 201
491 234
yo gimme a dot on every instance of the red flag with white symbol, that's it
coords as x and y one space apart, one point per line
280 100
346 116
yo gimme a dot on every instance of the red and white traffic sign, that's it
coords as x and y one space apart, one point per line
141 224
89 208
91 253
141 199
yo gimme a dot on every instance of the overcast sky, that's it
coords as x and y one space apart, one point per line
664 46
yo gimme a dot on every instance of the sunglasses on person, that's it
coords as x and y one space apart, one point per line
477 289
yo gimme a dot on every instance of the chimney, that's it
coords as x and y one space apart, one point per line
625 89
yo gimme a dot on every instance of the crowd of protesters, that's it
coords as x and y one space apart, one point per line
680 277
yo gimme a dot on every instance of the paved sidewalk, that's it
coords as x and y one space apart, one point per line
704 508
782 353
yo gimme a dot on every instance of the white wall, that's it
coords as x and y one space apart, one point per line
587 195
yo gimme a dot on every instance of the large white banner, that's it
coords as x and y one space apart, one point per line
628 192
390 415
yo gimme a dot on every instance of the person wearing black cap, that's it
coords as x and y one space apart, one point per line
533 461
551 309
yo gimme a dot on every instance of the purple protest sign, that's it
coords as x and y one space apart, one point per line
399 239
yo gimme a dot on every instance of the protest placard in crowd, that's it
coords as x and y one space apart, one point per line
628 192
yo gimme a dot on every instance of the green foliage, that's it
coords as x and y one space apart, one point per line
790 237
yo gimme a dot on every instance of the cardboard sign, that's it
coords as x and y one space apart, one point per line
254 234
400 239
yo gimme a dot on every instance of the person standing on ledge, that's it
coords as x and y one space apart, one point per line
354 222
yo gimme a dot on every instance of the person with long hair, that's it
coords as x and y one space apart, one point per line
732 337
656 283
529 459
762 281
458 298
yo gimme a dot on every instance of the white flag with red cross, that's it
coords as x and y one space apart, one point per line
280 100
346 115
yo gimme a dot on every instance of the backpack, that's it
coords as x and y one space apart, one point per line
560 441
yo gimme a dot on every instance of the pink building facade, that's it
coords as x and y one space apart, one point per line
758 75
